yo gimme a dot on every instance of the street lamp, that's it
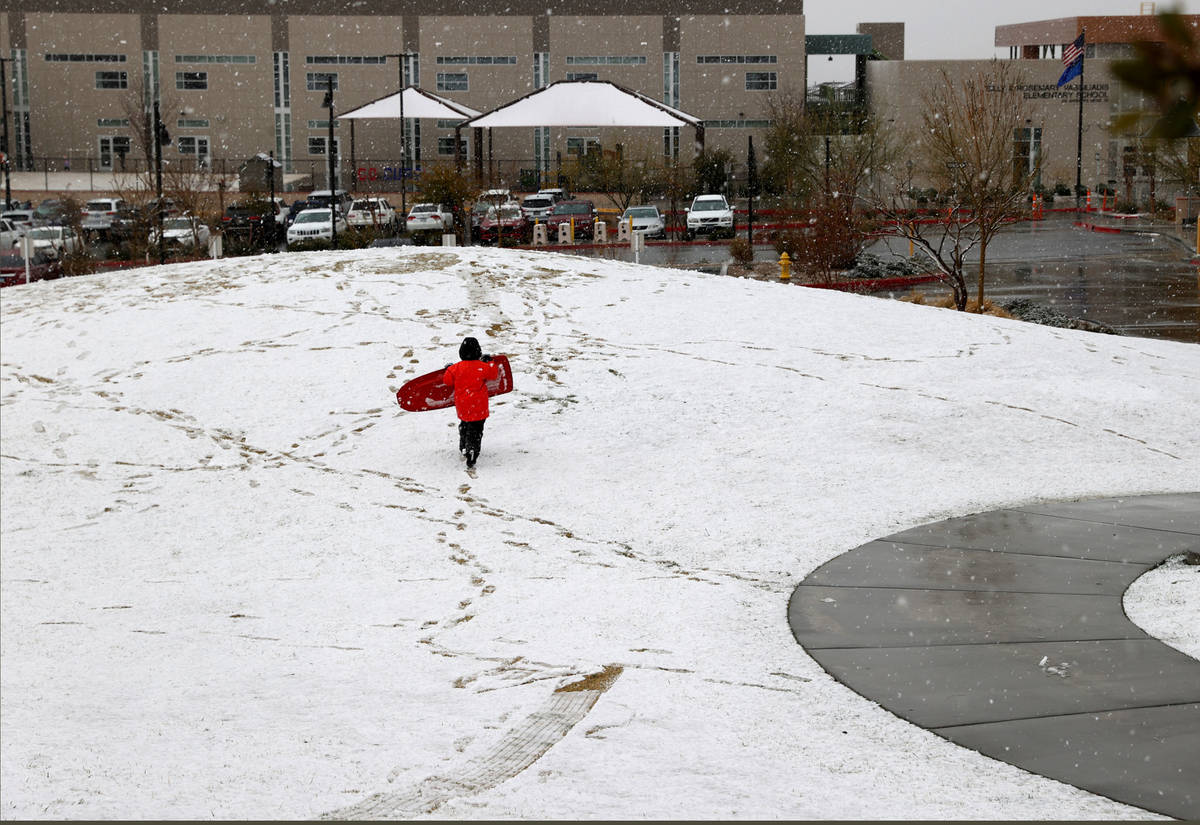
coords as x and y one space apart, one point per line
333 200
401 57
161 138
4 147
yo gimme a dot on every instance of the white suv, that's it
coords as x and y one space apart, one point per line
372 213
710 215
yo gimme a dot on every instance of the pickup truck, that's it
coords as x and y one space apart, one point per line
429 217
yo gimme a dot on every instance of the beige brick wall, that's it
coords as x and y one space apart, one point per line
239 98
896 96
66 102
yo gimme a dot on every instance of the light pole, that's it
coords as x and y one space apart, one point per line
160 137
4 147
400 58
333 200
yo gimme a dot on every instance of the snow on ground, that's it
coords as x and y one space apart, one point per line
1165 602
239 582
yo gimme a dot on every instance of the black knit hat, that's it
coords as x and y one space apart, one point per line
469 350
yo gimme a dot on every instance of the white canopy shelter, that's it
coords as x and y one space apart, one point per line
418 103
585 103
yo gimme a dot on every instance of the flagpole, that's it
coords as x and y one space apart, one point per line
1079 137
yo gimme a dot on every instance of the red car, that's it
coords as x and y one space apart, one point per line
41 268
508 221
582 213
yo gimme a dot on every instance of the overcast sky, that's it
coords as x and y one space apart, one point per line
937 29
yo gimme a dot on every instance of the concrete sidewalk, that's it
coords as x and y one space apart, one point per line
1004 632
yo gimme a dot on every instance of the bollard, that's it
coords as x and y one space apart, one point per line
539 235
1088 206
449 239
599 232
624 230
785 267
564 233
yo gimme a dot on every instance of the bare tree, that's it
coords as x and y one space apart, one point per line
966 150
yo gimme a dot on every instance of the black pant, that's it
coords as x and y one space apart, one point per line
470 437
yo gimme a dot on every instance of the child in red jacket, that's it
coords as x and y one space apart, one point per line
468 378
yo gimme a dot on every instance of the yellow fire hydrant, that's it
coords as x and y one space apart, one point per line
785 267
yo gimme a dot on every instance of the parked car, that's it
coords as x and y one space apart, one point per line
295 209
429 217
537 207
323 197
581 214
709 215
646 220
99 214
41 268
21 218
506 220
184 232
372 213
10 234
315 224
49 212
557 193
253 218
53 241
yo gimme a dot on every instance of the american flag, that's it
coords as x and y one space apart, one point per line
1073 51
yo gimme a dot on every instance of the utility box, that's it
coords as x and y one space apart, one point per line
255 174
1186 210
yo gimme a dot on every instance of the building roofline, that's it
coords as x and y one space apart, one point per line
1115 28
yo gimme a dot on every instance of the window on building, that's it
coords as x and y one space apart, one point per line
85 58
448 124
445 145
316 145
191 81
582 76
112 80
113 122
737 58
345 60
476 60
323 124
192 145
607 60
319 81
192 123
582 145
452 82
244 59
760 81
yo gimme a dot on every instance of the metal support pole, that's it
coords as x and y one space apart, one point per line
158 135
274 231
4 147
333 201
1079 137
403 222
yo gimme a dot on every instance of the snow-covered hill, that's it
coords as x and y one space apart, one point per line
239 582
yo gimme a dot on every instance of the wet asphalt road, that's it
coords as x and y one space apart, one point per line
1139 284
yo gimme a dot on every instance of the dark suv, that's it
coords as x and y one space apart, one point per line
254 223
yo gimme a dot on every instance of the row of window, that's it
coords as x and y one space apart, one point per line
446 81
737 58
509 60
85 58
216 58
459 81
345 60
609 60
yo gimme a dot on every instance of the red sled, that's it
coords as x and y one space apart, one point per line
427 392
